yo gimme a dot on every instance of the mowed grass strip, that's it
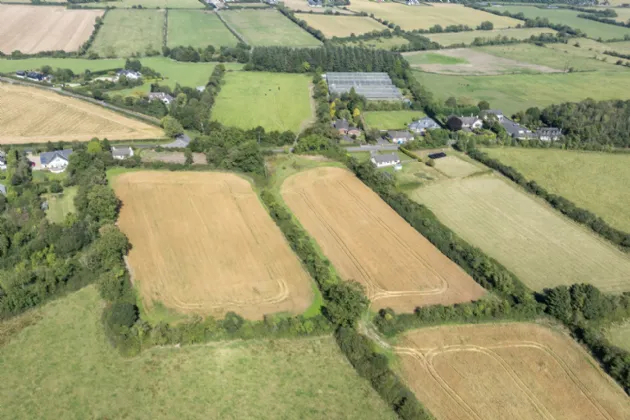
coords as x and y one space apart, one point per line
534 241
60 204
447 39
268 28
341 26
595 181
127 32
619 335
369 242
80 376
236 260
197 29
391 120
272 100
499 371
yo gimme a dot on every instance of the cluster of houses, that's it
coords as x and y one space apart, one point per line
57 161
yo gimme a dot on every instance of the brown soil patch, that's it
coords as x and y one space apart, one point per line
172 157
507 371
369 242
32 29
481 63
31 115
203 243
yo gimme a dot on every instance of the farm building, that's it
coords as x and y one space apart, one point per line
374 86
122 152
422 125
460 123
548 134
56 161
382 161
399 137
160 96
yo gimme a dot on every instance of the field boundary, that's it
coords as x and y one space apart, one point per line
231 29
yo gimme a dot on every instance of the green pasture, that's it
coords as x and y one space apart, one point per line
77 65
197 29
59 205
57 364
595 181
433 58
378 43
127 32
274 101
148 4
446 39
390 120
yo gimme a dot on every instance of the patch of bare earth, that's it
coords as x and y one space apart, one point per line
172 157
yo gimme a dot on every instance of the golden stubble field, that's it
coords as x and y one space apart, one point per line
31 29
507 371
369 242
31 115
204 244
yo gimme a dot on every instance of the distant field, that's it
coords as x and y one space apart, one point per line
369 242
455 167
31 29
59 205
568 17
507 371
342 26
198 29
268 28
77 65
149 4
452 38
379 43
391 120
126 32
31 115
80 376
434 58
595 181
429 14
272 100
535 242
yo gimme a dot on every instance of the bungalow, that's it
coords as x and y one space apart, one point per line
56 161
516 130
382 161
3 189
548 134
456 123
399 137
422 125
160 96
345 129
129 74
122 152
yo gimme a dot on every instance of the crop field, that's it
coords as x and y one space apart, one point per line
127 32
369 242
384 120
534 241
516 92
59 205
503 371
568 17
80 376
31 115
32 29
447 39
198 29
268 28
272 100
342 26
595 181
149 4
426 16
193 263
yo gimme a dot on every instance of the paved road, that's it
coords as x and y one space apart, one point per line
372 147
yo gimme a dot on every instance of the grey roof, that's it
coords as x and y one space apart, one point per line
181 141
399 134
390 157
47 157
549 131
423 123
492 111
121 151
375 86
341 124
515 129
468 120
3 189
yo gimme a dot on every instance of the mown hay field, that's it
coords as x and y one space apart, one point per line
204 244
367 241
342 26
447 39
595 181
31 115
391 120
507 371
534 241
455 167
80 376
198 29
32 29
430 14
128 32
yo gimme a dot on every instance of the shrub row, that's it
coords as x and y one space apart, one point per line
410 154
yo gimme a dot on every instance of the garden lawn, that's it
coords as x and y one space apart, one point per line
391 120
197 29
275 101
126 32
595 181
59 205
268 28
63 368
447 39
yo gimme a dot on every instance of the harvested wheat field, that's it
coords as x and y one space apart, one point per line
507 371
31 115
369 242
203 244
31 29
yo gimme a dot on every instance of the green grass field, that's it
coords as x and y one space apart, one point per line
341 26
268 28
595 181
619 335
59 205
126 32
148 4
198 29
274 101
433 58
63 368
378 43
512 93
77 65
568 17
390 120
447 39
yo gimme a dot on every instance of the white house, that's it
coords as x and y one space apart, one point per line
161 96
129 74
122 152
382 161
56 161
399 137
548 134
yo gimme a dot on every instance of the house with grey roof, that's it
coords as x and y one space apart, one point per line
345 129
422 125
122 152
3 189
399 137
56 161
456 123
516 130
382 161
181 141
548 134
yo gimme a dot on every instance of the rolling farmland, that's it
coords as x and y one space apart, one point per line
127 32
446 39
498 371
198 29
194 263
31 115
341 26
369 242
